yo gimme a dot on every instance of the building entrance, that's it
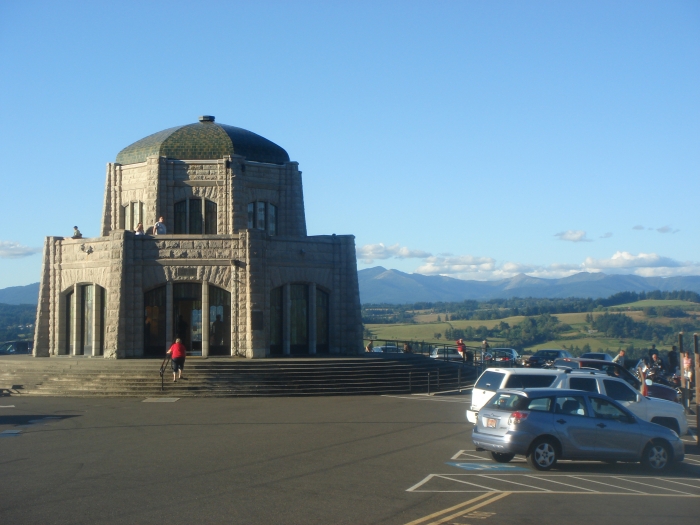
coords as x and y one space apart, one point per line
187 316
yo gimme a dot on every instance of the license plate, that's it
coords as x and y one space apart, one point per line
490 423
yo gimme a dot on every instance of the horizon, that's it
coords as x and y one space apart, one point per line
477 141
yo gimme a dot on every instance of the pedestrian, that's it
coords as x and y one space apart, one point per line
159 227
139 229
407 348
369 347
76 233
687 369
178 352
461 349
485 346
620 358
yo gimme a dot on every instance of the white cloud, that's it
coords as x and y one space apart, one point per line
369 252
573 236
638 227
481 268
606 235
628 260
15 250
460 265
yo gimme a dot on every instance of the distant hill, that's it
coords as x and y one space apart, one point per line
28 294
379 285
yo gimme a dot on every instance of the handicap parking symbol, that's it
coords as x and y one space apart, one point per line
499 467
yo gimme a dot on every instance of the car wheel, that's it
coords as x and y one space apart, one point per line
500 457
656 456
543 454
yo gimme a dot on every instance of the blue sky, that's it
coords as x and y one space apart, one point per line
470 139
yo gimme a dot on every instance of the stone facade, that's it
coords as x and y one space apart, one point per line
236 228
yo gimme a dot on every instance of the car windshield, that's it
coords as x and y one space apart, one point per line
549 354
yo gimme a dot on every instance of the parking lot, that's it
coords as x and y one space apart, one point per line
385 460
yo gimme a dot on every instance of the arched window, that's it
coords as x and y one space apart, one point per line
84 320
193 218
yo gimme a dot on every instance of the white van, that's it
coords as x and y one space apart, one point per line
496 378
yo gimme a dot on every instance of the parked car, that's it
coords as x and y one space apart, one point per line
504 356
546 425
597 355
446 353
494 379
391 349
659 411
543 358
16 347
617 370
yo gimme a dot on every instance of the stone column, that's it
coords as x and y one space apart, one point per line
205 319
312 319
97 318
77 328
286 319
168 314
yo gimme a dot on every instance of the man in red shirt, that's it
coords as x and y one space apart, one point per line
178 352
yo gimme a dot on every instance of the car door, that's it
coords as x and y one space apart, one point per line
621 392
618 435
575 429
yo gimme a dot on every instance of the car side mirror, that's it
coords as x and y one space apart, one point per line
639 398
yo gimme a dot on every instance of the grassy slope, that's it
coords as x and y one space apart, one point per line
427 326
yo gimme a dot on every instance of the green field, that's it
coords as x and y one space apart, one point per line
647 303
578 336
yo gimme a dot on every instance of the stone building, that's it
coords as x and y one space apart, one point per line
235 274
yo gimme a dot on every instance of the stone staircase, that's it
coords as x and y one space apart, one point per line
224 377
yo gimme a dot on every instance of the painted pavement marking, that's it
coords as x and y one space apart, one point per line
10 433
160 399
486 499
516 483
492 467
7 406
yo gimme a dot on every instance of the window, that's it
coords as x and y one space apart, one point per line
86 319
619 391
262 216
322 329
587 384
154 329
571 406
191 218
507 402
130 215
219 321
529 381
490 381
542 404
276 321
606 410
299 319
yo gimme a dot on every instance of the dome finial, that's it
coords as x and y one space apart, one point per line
206 118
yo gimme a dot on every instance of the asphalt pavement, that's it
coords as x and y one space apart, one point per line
326 460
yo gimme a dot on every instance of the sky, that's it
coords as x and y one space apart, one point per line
474 139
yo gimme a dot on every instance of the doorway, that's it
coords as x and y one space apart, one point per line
187 316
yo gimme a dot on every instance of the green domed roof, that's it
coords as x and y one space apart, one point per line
201 141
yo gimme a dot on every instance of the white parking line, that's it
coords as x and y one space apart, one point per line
679 483
464 453
654 486
609 485
514 483
560 483
467 483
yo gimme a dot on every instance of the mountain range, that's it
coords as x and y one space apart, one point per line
379 285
